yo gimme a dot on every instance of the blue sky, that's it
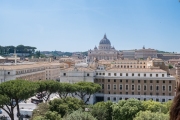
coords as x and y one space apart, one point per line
79 25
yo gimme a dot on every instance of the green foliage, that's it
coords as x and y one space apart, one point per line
16 90
126 109
79 115
148 115
64 106
102 110
48 86
41 110
154 106
170 66
52 115
65 88
86 88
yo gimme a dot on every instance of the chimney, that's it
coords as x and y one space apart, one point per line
15 56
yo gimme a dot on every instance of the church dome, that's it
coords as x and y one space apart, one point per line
105 41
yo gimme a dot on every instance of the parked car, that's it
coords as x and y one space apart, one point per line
0 111
36 100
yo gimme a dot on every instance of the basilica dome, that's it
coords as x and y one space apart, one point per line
105 41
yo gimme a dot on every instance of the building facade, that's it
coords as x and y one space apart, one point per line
144 83
104 52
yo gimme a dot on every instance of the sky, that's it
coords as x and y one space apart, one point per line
79 25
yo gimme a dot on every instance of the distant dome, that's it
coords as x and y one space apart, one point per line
105 40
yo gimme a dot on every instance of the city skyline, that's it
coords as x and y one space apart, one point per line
79 26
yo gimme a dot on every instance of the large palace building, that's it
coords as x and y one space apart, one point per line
104 52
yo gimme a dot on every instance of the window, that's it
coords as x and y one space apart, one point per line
114 87
109 92
144 87
114 80
108 80
126 74
114 98
151 81
103 73
132 81
170 81
120 87
144 81
126 81
157 99
102 80
99 73
120 98
138 93
163 81
162 75
157 87
132 93
109 87
156 75
108 98
102 86
114 74
8 73
169 94
139 87
163 100
151 87
163 88
88 74
144 75
96 73
150 75
163 94
120 93
133 74
114 92
144 93
126 87
120 74
109 74
150 93
64 74
138 81
120 80
126 93
132 87
157 93
169 88
157 81
144 99
139 75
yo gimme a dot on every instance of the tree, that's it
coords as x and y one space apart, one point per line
65 88
102 110
148 115
49 115
16 91
170 66
126 109
154 106
47 87
86 89
41 110
79 115
65 106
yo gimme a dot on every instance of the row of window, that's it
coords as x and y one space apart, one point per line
133 81
138 87
156 99
139 75
129 66
132 93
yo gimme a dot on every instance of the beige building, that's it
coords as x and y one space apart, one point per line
146 82
145 53
104 51
31 71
